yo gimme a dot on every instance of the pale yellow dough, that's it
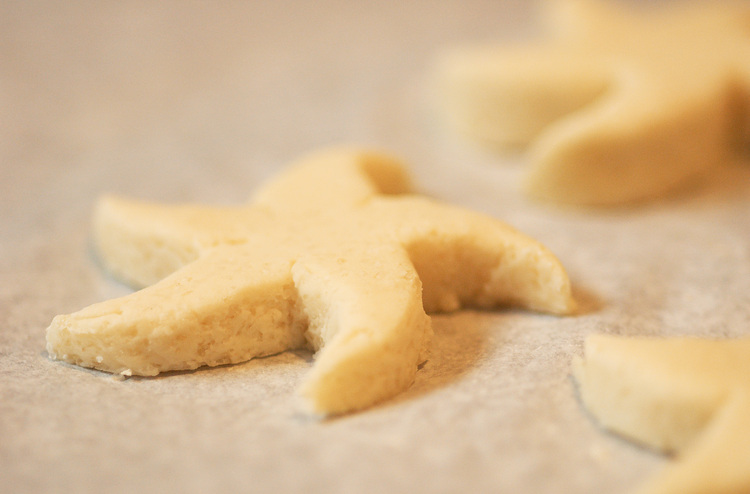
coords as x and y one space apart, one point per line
685 396
616 105
333 255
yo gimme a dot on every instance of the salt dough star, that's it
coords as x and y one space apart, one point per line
332 256
680 395
618 106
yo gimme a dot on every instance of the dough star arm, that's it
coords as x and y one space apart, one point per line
140 242
229 306
367 322
508 96
719 461
641 138
333 179
468 259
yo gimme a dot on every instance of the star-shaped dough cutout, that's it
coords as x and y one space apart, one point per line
334 255
686 396
618 106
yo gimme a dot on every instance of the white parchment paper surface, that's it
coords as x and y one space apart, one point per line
201 101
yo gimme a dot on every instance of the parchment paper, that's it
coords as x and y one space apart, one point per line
201 101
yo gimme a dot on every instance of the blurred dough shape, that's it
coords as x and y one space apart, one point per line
617 106
334 256
685 396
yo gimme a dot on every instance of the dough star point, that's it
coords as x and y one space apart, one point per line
334 256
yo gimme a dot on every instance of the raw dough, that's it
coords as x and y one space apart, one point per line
680 395
618 106
333 256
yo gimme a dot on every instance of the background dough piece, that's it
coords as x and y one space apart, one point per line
618 106
323 259
680 395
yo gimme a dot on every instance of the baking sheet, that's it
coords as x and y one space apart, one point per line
200 102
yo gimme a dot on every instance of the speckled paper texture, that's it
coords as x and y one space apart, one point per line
200 102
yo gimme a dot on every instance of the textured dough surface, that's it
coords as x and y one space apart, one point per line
333 256
686 396
617 105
